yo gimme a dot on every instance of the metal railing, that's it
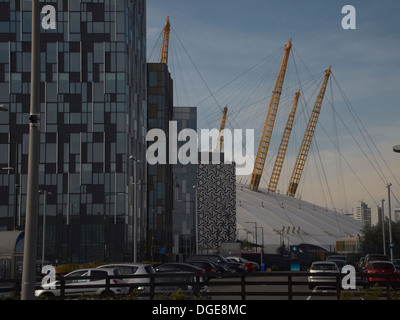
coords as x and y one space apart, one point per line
241 285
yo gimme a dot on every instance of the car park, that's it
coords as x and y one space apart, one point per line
376 272
89 281
217 258
141 271
325 272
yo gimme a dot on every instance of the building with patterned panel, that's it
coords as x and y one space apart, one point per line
93 127
216 204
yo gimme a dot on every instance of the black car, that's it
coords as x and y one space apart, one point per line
213 269
179 267
217 258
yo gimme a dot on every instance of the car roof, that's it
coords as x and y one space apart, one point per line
90 269
380 261
324 262
112 265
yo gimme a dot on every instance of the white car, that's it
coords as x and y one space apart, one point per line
325 271
137 269
93 279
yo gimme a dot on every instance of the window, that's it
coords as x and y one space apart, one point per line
96 275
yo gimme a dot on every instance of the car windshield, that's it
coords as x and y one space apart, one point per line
323 266
386 266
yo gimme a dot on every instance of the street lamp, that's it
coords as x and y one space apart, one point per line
255 227
32 197
3 107
391 244
396 148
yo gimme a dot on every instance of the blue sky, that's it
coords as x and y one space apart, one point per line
227 37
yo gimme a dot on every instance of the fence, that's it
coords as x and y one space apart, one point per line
243 286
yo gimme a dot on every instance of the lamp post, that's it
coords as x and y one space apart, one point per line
396 148
32 199
391 244
383 228
255 227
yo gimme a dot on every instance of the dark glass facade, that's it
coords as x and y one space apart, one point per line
93 126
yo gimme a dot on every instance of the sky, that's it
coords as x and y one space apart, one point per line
222 51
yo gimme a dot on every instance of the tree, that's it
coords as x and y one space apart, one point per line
372 240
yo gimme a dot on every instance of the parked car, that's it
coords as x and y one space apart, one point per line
339 263
337 257
381 267
173 282
130 269
251 265
174 276
361 264
325 271
91 279
213 269
374 257
217 258
179 267
396 263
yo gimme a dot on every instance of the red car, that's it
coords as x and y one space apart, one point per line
381 267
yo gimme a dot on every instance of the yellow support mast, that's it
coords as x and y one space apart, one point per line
165 45
269 123
280 158
308 136
221 130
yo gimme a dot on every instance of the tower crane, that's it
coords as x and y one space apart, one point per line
308 136
221 130
165 45
280 158
269 123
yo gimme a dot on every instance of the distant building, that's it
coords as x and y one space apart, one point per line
397 214
348 245
362 212
376 215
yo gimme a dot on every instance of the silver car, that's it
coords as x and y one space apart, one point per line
325 271
130 269
93 280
